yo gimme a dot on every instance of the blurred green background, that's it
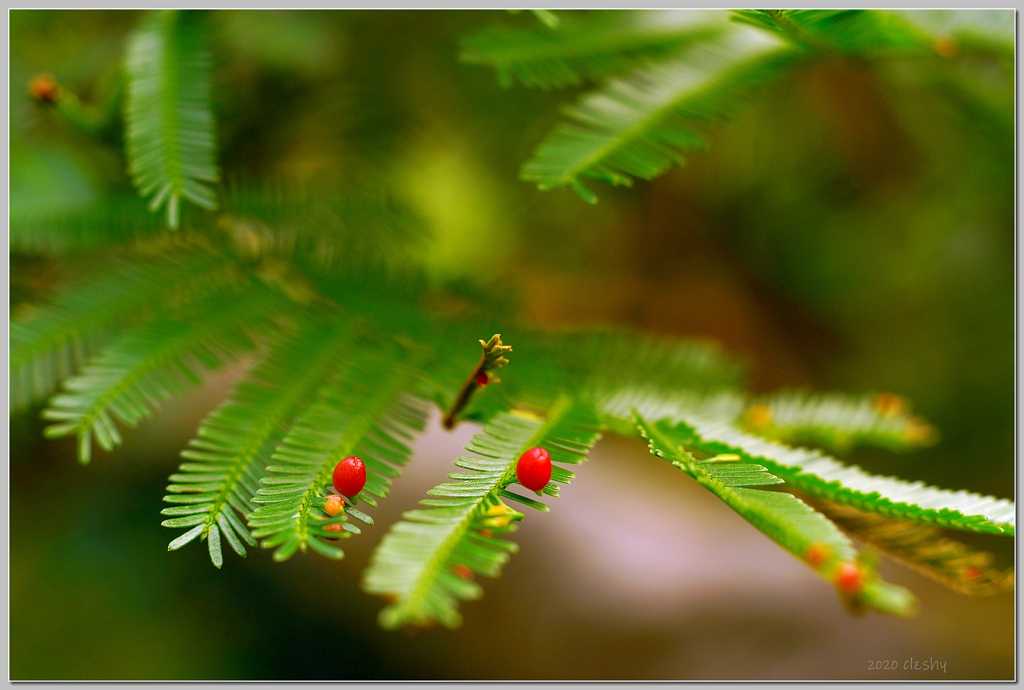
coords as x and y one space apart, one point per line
852 228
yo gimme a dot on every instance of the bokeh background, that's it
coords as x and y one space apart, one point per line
852 228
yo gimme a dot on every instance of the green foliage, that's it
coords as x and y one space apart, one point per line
420 564
925 549
171 142
50 343
233 445
363 411
637 126
784 518
590 49
112 219
157 361
819 475
346 338
838 421
691 71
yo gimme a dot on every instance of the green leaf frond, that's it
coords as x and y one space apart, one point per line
492 359
232 448
863 32
615 370
114 219
784 518
925 549
838 421
171 142
51 342
161 359
984 31
425 563
821 476
546 17
637 126
326 229
363 411
604 44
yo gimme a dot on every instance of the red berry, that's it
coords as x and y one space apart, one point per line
848 578
350 476
334 527
462 571
334 505
534 469
482 379
817 554
486 533
972 573
44 88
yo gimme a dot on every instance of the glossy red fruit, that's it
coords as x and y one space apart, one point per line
482 379
849 578
534 469
350 476
334 505
334 527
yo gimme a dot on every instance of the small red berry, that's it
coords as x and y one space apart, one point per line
350 476
44 88
482 379
972 573
486 533
334 505
817 554
534 469
462 571
334 527
849 578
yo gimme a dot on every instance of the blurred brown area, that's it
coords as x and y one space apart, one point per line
849 229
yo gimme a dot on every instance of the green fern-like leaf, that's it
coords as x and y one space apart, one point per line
637 126
364 411
862 32
925 549
819 475
784 518
606 43
157 361
51 342
325 228
425 564
170 128
112 219
838 421
614 370
233 445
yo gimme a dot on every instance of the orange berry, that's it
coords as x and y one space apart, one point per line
334 527
759 415
890 405
849 578
462 571
946 46
486 533
44 88
919 431
482 379
334 505
817 554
